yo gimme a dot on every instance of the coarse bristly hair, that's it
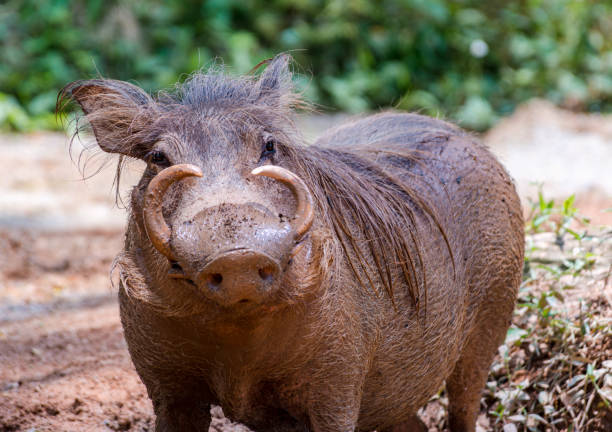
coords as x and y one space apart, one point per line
372 212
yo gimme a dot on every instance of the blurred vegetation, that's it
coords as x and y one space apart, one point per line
467 60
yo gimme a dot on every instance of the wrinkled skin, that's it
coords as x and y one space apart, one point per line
319 350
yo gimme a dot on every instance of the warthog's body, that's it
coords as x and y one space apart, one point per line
405 207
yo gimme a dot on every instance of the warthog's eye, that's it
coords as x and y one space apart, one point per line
269 147
158 158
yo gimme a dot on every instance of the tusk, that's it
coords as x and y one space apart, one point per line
305 208
155 225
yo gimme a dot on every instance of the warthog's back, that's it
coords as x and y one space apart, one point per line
472 195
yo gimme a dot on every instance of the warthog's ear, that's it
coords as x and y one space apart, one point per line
117 111
276 79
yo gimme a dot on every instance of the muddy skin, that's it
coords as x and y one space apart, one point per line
406 279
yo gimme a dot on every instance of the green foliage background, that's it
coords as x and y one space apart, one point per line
468 60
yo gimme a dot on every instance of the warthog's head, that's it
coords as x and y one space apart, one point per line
218 207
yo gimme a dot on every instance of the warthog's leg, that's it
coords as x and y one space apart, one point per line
333 422
469 376
182 415
335 411
413 424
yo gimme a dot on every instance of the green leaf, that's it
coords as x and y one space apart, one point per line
514 335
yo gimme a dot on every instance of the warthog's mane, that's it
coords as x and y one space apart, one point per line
372 211
374 215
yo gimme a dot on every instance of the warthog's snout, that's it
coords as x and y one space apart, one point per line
232 252
239 276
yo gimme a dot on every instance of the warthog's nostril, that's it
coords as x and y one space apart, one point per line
214 281
238 275
266 273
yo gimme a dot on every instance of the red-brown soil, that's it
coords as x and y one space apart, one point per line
64 362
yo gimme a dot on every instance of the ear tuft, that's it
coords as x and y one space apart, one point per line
117 111
277 76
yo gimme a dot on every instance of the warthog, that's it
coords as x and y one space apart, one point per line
326 287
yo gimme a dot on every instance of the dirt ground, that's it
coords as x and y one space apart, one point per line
64 365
